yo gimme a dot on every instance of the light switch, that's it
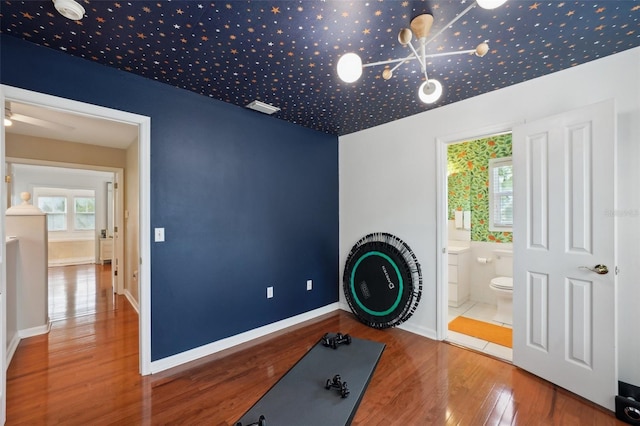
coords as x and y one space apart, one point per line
159 235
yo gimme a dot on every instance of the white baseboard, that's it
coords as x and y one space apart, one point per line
11 348
211 348
35 331
72 261
132 301
421 331
23 334
411 328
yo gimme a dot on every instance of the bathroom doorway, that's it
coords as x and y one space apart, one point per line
476 224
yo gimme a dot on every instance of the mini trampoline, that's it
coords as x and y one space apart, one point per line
382 280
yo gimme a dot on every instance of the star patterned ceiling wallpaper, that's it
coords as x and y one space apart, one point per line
285 52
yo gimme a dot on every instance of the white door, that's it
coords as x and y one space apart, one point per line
564 314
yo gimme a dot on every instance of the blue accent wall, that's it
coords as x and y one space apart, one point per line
247 201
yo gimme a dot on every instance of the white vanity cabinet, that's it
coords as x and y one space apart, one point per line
458 275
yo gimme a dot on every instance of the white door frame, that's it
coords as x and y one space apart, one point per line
144 157
442 279
3 282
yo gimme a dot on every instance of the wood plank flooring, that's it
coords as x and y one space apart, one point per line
79 290
85 372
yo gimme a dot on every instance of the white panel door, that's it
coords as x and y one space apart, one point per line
564 314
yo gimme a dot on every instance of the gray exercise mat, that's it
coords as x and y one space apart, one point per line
300 398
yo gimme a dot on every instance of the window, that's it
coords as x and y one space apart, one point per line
501 195
56 210
71 213
85 213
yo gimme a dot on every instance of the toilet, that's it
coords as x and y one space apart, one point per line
502 286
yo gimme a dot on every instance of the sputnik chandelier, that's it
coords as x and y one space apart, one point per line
350 65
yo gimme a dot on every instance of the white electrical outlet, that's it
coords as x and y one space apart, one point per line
269 292
309 285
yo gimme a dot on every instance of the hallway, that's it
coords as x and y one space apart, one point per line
82 370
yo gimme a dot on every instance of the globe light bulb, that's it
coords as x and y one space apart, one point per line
490 4
430 91
349 67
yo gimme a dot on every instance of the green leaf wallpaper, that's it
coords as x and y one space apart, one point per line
468 182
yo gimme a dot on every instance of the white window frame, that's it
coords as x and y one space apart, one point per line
64 214
77 213
495 163
70 234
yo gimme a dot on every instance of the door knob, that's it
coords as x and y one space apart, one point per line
598 269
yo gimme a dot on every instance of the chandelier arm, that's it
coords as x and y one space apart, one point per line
453 21
420 59
400 63
390 61
423 49
461 52
424 70
412 57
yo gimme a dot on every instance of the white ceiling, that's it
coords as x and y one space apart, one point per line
37 121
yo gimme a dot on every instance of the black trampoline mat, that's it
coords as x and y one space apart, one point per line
300 397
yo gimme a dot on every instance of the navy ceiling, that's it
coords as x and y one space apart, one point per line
285 52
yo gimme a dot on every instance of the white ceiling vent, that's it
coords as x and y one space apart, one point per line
262 107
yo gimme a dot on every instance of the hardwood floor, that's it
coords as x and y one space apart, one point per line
85 371
79 290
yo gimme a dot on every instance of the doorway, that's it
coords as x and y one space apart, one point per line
79 208
475 227
142 124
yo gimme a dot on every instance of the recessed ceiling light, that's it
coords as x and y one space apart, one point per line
262 107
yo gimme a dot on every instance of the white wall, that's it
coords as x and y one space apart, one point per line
388 176
481 274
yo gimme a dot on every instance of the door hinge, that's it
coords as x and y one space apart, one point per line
115 185
616 270
7 178
115 273
115 229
